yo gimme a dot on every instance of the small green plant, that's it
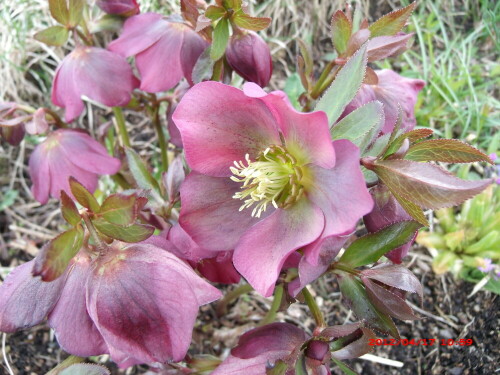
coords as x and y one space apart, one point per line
467 242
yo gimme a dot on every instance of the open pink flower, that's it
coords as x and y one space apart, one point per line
165 50
100 75
67 153
392 90
267 180
125 303
122 7
249 55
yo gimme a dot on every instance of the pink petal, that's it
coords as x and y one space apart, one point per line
39 172
104 76
263 249
139 33
188 249
219 269
25 300
75 331
88 154
306 134
219 124
160 64
133 298
341 191
210 214
65 92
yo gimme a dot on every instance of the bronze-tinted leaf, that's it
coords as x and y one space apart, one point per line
356 348
392 23
426 185
247 22
129 233
83 196
388 302
68 209
397 276
341 31
447 151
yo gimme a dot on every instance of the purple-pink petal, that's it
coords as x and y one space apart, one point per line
25 300
341 191
263 249
210 214
75 331
219 124
133 298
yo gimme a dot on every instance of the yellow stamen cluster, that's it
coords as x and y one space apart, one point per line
274 178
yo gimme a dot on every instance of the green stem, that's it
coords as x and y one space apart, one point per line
122 129
343 267
325 80
271 314
71 360
101 246
230 297
161 137
314 308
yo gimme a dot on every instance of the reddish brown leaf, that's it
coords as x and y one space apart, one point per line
68 209
356 41
447 151
247 22
357 348
382 47
412 209
341 31
396 276
189 11
426 185
334 332
388 302
393 22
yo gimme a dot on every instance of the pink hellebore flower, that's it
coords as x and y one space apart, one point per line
100 75
124 302
121 7
266 181
249 55
67 153
387 211
392 90
165 50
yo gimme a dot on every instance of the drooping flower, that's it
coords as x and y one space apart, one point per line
165 50
267 180
248 54
15 122
387 211
392 90
67 153
99 74
121 7
124 302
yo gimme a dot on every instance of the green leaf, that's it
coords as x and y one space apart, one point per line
122 209
293 89
426 185
352 289
214 12
75 12
341 31
345 86
300 365
412 136
141 174
54 257
59 11
345 369
220 39
369 248
7 199
69 211
247 22
85 369
393 22
53 36
446 151
360 125
83 196
130 233
306 54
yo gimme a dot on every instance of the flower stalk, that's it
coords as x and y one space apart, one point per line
122 129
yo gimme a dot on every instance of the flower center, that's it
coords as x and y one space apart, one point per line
274 178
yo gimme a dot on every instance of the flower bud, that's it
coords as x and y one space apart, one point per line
249 56
125 8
